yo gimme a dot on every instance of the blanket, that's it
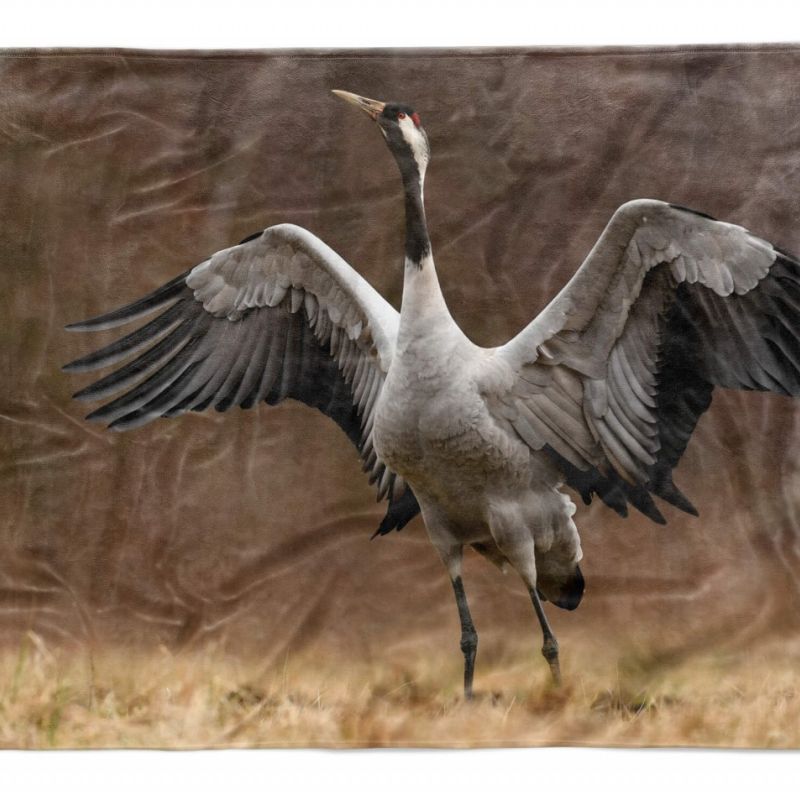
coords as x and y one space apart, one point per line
193 567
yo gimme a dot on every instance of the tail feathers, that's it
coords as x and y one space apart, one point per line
565 594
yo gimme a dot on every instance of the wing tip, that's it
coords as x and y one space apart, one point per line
72 367
388 525
665 488
400 512
78 327
138 308
113 319
80 365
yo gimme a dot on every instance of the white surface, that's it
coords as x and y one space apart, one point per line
565 773
396 23
383 775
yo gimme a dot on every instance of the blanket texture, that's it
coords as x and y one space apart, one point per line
210 580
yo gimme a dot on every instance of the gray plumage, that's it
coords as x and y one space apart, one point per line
602 391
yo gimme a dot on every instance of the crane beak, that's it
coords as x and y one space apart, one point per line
372 107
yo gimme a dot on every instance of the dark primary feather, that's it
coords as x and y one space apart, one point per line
188 360
145 305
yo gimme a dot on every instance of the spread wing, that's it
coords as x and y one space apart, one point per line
278 316
612 377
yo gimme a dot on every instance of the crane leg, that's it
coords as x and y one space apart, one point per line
550 644
516 542
469 636
451 552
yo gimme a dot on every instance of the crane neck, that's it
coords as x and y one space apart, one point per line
418 243
412 171
424 312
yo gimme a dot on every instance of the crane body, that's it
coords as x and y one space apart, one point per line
601 392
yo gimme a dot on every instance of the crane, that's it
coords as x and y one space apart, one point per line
600 392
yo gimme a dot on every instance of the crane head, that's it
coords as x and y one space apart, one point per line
401 127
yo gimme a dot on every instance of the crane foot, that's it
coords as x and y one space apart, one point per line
550 652
469 647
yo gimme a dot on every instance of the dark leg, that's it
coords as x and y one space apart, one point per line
550 646
469 636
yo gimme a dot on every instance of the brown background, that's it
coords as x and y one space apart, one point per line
119 170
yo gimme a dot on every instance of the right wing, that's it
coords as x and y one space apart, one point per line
280 315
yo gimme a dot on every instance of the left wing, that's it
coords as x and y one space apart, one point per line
612 377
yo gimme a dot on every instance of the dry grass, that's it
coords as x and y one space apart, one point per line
117 699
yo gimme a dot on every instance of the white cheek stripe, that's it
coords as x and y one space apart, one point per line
416 142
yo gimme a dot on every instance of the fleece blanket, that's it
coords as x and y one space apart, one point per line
203 572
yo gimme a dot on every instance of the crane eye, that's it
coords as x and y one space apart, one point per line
400 115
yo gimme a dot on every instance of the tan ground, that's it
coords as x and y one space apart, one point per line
211 700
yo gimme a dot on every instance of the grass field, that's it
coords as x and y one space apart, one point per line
117 699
